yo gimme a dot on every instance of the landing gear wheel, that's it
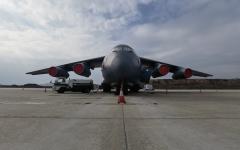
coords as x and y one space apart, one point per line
106 90
125 91
117 92
135 88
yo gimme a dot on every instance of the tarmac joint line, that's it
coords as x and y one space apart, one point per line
124 127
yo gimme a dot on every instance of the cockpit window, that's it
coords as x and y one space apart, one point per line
122 48
117 48
127 49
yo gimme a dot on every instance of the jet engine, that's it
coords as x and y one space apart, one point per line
58 72
82 69
145 75
160 70
182 74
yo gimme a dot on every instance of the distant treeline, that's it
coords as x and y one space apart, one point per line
196 83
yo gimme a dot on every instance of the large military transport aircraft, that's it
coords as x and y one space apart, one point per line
121 66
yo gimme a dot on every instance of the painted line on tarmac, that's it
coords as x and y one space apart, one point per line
41 103
24 103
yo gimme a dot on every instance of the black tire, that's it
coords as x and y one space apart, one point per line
135 88
117 92
106 90
87 90
125 91
61 90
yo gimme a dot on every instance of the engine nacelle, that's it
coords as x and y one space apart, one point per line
160 70
82 69
58 72
182 74
145 75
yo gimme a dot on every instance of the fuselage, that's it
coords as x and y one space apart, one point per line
121 64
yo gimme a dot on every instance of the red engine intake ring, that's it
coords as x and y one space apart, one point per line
163 69
78 68
52 71
188 73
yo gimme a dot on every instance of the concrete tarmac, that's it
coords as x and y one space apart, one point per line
181 120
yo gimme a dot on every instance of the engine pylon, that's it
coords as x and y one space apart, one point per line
121 98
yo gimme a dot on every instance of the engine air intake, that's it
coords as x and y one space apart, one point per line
160 70
182 74
163 69
188 73
57 72
78 68
82 69
52 71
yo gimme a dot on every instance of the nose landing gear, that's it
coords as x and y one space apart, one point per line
124 87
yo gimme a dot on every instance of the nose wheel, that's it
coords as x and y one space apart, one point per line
125 89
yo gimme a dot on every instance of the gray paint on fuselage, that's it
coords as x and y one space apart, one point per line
118 65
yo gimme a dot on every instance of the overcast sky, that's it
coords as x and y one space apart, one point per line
203 35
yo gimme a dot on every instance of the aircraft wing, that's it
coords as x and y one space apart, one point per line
92 63
172 68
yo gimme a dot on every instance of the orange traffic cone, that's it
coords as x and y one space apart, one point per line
45 90
166 91
121 97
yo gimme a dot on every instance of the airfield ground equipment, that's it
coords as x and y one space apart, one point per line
148 88
75 85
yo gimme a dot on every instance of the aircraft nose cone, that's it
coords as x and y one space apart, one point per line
122 66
